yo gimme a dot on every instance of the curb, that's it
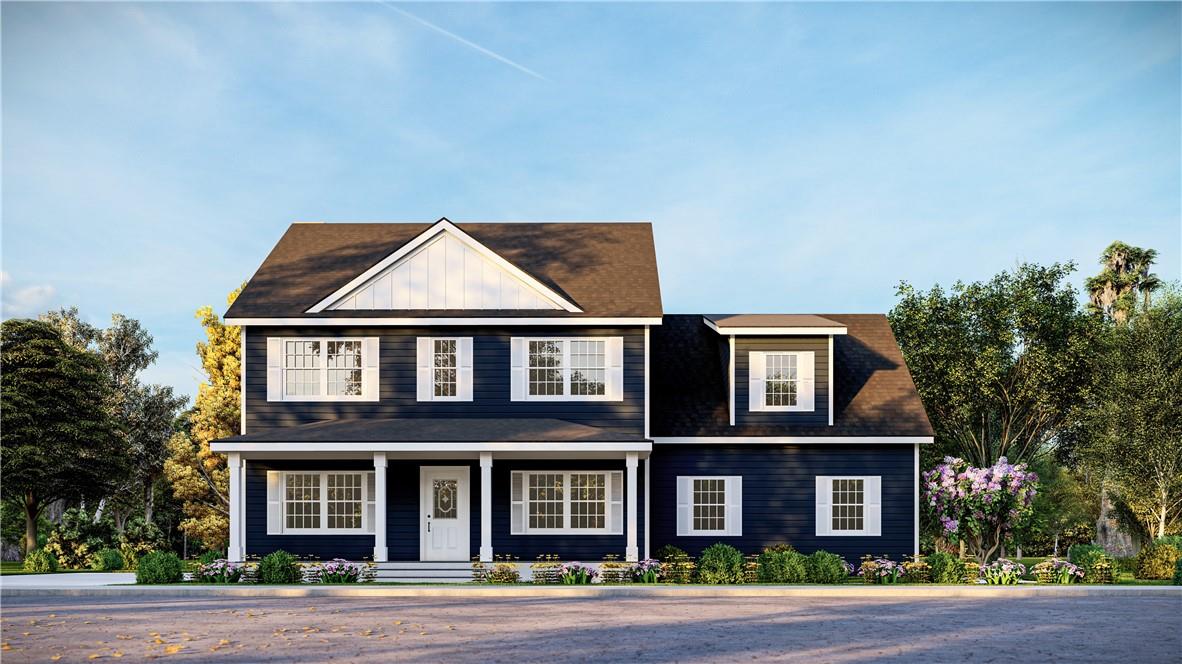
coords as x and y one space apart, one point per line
849 591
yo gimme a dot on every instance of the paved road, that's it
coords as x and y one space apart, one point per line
1111 629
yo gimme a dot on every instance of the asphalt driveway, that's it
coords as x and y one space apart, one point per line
645 629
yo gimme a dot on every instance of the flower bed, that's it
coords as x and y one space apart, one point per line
219 571
337 570
1053 570
1003 572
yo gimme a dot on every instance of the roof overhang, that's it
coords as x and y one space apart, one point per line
404 321
432 447
773 325
793 440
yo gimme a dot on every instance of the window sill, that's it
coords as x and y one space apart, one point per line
569 531
324 531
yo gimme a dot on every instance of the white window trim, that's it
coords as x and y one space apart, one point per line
733 509
464 368
367 385
366 500
610 525
871 506
566 371
802 383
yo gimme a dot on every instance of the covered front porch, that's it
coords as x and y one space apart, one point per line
440 501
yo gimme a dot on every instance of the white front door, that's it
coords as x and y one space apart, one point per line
443 509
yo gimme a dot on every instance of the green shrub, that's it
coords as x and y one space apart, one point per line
106 560
721 563
159 567
1076 552
825 567
671 554
1177 581
945 568
40 561
279 567
1157 561
78 537
1173 540
210 557
782 566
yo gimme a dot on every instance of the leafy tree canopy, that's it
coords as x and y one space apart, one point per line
1000 365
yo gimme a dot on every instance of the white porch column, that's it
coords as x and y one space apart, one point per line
234 463
380 552
486 549
630 552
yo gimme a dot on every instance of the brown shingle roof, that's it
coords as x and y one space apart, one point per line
770 320
443 430
606 269
873 391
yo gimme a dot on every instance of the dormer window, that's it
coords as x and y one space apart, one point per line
781 381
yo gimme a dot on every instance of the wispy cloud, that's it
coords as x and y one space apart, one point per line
23 300
495 56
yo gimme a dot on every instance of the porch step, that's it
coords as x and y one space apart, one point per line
424 572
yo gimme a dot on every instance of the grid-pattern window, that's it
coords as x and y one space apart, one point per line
301 363
588 500
849 500
443 366
344 368
782 380
545 500
545 368
588 367
302 500
344 500
709 504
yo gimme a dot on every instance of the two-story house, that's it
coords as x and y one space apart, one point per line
436 392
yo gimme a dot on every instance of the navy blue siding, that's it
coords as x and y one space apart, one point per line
779 487
819 345
397 376
402 514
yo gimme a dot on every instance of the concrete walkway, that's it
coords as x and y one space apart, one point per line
557 629
75 580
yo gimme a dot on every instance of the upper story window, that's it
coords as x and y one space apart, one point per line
322 369
781 380
444 368
849 505
710 505
567 369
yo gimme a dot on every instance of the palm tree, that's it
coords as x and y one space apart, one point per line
1113 292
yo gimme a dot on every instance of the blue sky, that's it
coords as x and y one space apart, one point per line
792 157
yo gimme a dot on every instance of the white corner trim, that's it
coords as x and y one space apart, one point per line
242 380
792 440
774 331
646 382
915 516
731 376
428 322
829 370
443 226
226 447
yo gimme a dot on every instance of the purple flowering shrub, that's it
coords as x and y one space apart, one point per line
337 570
576 574
979 505
646 571
1003 572
1054 570
219 571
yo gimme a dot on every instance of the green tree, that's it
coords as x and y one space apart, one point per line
199 477
1135 429
152 412
1000 365
1063 504
59 438
1113 292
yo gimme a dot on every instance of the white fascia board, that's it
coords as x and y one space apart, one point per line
793 440
426 322
443 226
227 447
774 331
